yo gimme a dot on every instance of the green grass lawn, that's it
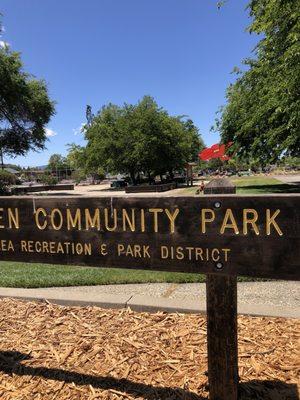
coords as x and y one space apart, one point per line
23 275
256 184
262 184
16 274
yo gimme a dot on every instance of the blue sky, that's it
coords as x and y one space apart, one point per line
93 52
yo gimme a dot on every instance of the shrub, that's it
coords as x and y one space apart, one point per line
78 175
48 179
6 180
101 173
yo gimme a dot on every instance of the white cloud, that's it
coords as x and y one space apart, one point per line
50 132
80 129
3 44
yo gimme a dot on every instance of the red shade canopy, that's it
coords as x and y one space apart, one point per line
215 151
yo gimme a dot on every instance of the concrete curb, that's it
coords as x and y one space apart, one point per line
68 298
142 303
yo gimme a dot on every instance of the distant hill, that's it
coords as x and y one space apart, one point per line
19 168
41 167
12 166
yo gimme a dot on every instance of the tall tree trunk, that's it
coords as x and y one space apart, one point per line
1 158
132 177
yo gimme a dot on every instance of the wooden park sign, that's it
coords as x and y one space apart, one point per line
222 235
226 234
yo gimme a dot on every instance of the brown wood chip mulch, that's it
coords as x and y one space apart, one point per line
53 352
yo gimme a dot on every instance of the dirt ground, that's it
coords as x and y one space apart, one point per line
104 190
54 352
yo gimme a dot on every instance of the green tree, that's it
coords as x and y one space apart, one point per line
141 137
77 161
76 156
262 115
57 161
25 107
291 162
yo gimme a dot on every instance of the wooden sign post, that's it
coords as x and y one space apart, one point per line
217 234
221 235
221 305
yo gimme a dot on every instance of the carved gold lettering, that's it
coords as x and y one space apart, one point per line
164 252
207 216
172 217
229 222
155 212
133 250
73 222
193 253
137 250
67 246
207 254
38 247
189 249
39 211
171 252
59 248
23 245
52 247
270 221
87 248
1 217
103 249
146 253
13 218
93 222
55 215
127 220
215 254
199 253
120 248
10 246
226 251
79 248
45 247
30 248
129 251
179 253
106 218
142 220
250 216
6 245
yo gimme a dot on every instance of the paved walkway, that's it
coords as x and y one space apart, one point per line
292 179
279 299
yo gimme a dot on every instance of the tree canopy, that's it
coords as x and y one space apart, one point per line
141 137
262 114
76 155
25 107
57 161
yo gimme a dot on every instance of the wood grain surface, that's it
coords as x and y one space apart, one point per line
211 234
